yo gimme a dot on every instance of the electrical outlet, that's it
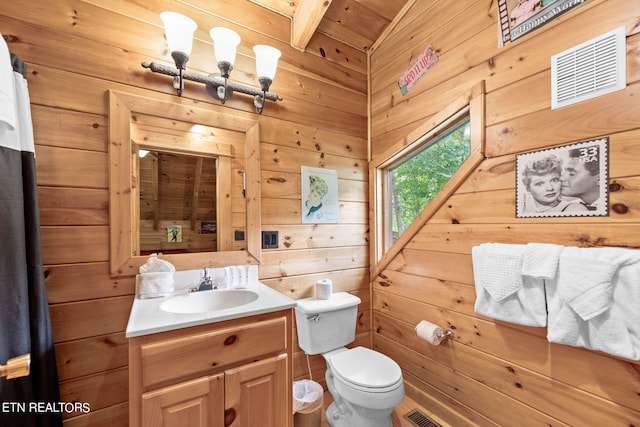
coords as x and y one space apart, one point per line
269 239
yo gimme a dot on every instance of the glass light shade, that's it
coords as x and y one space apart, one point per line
266 60
179 30
225 42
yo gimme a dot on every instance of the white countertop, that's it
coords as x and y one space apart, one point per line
147 317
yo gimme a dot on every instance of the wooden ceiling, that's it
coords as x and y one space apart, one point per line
356 23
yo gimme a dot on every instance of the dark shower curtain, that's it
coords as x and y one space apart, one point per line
25 326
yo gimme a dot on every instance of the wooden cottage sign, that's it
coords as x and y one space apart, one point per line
419 68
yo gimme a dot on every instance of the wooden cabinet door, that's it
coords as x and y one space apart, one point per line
195 403
257 395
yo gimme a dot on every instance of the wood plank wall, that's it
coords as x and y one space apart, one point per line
497 373
76 50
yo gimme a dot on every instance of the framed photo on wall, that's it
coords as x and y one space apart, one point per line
571 180
319 195
519 17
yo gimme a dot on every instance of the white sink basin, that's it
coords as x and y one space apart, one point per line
204 301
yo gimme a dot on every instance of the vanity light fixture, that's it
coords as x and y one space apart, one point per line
179 30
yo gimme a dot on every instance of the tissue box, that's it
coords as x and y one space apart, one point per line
154 285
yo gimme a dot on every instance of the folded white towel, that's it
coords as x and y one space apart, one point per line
587 285
498 269
154 285
8 114
501 291
155 265
541 260
587 311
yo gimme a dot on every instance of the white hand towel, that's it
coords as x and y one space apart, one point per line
541 260
499 270
501 292
616 329
587 285
156 265
154 285
8 114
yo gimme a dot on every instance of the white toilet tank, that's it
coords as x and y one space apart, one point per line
325 325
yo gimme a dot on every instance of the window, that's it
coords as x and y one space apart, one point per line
409 183
413 181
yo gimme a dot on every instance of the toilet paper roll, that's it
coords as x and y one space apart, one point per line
324 288
430 332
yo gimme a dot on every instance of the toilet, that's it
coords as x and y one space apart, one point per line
365 385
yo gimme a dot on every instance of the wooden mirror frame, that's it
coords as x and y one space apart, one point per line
122 259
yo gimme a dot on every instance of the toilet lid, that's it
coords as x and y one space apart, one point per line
366 368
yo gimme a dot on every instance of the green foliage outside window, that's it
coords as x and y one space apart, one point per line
415 181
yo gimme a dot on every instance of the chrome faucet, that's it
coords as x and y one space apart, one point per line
206 284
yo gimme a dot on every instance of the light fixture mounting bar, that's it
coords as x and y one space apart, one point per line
211 80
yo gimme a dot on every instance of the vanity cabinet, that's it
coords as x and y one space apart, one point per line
234 373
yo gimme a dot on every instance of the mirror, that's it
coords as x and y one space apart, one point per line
181 195
231 142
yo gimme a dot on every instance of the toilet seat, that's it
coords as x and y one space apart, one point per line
366 370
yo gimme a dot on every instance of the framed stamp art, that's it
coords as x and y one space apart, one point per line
566 181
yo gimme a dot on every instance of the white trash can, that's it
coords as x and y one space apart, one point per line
307 403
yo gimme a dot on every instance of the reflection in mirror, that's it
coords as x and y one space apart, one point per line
177 203
200 184
179 207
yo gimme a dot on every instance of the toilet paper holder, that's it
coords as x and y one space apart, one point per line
433 333
447 335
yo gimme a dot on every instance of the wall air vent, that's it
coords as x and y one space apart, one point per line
591 69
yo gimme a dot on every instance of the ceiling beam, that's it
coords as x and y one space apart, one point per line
306 19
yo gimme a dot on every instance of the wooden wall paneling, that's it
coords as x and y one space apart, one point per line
286 159
461 238
517 346
73 206
428 23
498 173
495 206
617 112
116 415
531 55
73 90
287 185
83 319
303 286
319 235
76 282
69 129
431 277
324 140
505 66
324 112
91 355
458 297
100 391
88 164
276 28
281 211
429 397
305 261
526 376
501 408
352 22
69 244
